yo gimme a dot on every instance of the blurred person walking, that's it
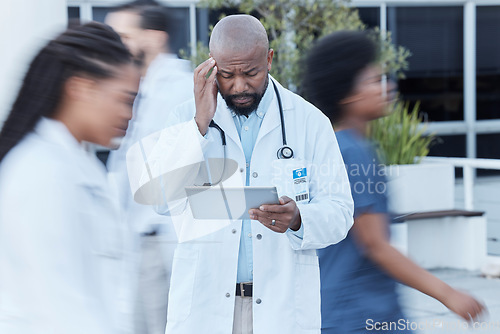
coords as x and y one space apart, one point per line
358 288
147 29
60 226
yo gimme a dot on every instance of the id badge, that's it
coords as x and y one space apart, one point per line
291 178
300 184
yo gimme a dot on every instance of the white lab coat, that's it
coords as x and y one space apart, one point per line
60 238
286 291
168 83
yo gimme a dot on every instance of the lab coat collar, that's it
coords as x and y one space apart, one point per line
56 132
92 171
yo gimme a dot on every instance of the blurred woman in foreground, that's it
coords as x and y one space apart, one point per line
60 242
358 291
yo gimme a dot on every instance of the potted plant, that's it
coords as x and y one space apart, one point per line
402 142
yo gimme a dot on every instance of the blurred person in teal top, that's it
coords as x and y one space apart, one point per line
358 275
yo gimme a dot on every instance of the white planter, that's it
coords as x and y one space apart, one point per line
420 187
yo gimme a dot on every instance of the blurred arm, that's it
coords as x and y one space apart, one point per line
370 232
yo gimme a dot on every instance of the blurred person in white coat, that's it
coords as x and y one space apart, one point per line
147 29
60 226
257 275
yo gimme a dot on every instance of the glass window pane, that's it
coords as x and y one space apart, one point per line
448 146
434 36
99 13
73 13
488 62
202 17
181 38
486 147
370 16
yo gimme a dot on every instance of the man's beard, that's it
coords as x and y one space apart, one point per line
247 110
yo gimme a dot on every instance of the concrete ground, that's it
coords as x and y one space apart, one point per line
429 316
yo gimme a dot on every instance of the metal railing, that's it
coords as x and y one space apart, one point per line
469 166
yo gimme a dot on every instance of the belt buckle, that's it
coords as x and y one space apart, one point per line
242 289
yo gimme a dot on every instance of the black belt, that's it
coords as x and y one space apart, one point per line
149 234
244 289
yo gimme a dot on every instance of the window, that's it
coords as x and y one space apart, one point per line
202 17
448 146
99 13
182 29
488 63
370 16
487 146
434 35
73 13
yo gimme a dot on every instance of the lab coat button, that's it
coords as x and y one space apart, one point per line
228 295
255 174
258 301
233 231
259 236
241 170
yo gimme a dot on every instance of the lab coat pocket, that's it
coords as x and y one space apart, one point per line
182 283
307 290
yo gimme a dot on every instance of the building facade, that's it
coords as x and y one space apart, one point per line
454 68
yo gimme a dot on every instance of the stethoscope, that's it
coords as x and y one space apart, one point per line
284 152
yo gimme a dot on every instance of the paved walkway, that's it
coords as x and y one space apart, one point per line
432 317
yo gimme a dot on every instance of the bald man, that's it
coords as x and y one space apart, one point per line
256 275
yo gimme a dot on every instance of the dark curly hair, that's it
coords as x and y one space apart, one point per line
331 69
92 49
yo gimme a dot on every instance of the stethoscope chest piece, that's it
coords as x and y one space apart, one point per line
285 152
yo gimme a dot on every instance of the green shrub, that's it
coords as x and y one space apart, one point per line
401 136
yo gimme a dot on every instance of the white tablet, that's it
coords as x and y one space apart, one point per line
228 203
